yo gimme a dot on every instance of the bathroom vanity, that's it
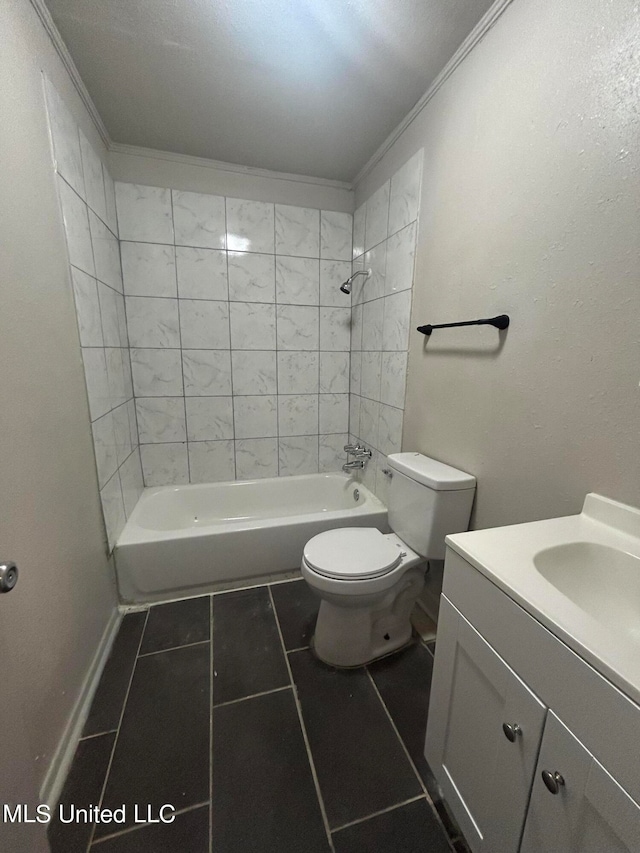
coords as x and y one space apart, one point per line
534 719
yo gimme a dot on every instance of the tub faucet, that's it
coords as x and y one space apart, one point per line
349 466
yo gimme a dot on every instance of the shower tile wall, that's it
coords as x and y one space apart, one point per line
384 241
87 198
239 334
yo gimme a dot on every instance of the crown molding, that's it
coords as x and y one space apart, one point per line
477 33
206 163
62 51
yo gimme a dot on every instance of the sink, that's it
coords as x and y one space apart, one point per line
602 581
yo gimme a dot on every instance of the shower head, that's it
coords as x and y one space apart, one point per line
346 286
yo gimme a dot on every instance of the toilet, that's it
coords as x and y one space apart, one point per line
368 581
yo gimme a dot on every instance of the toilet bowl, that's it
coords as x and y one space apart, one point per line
368 581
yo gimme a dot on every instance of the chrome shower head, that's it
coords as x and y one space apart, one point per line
346 286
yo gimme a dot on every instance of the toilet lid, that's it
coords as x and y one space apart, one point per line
352 553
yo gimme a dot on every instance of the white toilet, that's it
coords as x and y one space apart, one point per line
368 581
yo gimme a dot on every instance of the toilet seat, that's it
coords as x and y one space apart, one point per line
352 553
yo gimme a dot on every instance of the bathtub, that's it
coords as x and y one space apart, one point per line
187 540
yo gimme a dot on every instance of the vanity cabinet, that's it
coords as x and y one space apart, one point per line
509 702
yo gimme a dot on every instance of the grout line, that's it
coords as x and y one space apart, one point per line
304 730
299 649
98 734
382 811
251 586
173 649
115 741
129 829
211 671
184 392
253 696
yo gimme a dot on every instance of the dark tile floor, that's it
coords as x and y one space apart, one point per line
216 706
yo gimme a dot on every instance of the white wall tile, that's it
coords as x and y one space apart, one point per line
397 314
209 418
253 326
354 414
250 226
400 258
254 372
104 443
251 277
93 178
85 290
356 328
334 413
212 461
394 377
120 388
256 458
298 327
122 431
160 419
76 226
370 380
131 481
355 372
157 372
332 275
334 372
106 253
335 329
148 269
359 218
112 216
207 373
113 509
375 260
297 231
336 239
199 220
204 325
377 217
331 452
255 416
298 372
66 140
164 464
298 455
110 314
390 430
404 198
133 423
97 381
152 322
369 414
372 324
144 213
298 414
202 273
297 281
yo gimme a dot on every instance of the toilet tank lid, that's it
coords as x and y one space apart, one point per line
430 472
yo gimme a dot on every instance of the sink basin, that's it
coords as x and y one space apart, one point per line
602 581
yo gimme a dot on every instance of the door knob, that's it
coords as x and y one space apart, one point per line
8 576
554 781
511 731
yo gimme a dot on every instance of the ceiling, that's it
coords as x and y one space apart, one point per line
311 87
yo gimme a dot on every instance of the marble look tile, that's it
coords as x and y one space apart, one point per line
144 213
331 452
298 372
297 231
93 178
209 418
356 328
152 322
157 372
397 315
255 416
199 220
106 253
298 455
381 488
359 218
122 432
111 310
401 248
355 372
335 329
394 378
297 414
76 226
370 380
404 198
122 319
297 281
334 372
104 443
332 275
110 199
212 461
85 291
360 283
65 138
390 430
97 380
354 414
131 481
133 423
254 372
256 458
207 373
253 326
298 327
204 325
369 415
336 239
334 413
372 323
368 477
251 277
164 464
113 509
202 273
148 269
376 261
160 419
250 226
119 376
377 217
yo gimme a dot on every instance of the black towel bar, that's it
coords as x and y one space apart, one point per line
500 322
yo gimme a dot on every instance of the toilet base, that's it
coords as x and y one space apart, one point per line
411 642
350 636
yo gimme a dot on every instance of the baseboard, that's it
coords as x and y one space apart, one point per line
59 767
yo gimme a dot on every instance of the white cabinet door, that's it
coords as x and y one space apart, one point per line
485 777
590 813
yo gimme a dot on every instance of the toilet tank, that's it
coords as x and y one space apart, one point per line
427 501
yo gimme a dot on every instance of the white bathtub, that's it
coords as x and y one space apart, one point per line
184 540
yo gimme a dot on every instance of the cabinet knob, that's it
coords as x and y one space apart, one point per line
511 731
554 781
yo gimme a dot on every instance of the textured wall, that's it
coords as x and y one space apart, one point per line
530 206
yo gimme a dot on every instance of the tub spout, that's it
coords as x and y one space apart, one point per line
349 466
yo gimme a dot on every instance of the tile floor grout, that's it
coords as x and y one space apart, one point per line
97 734
131 829
382 811
312 765
253 696
172 649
